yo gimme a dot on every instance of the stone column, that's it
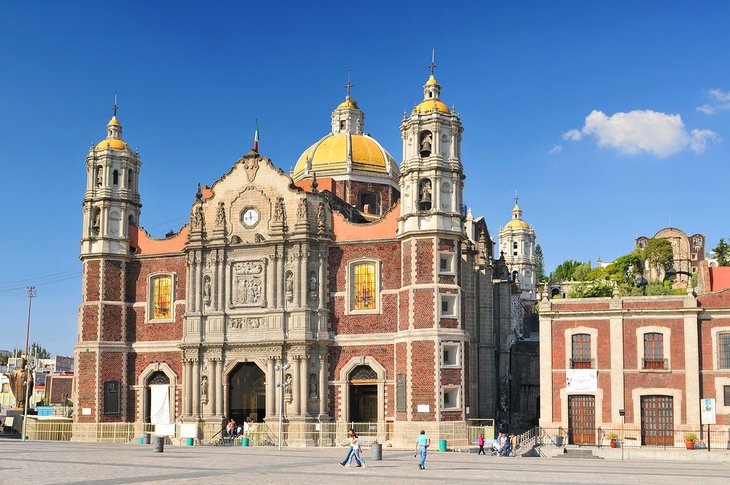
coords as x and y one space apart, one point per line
187 378
270 388
213 388
322 281
277 386
303 276
298 291
323 391
303 384
296 386
196 388
219 388
279 279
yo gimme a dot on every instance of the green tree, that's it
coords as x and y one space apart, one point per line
659 253
722 253
565 270
39 351
581 272
540 263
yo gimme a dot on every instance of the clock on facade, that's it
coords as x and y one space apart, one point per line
250 217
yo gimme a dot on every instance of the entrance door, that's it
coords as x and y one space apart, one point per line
657 420
364 403
582 420
246 393
157 399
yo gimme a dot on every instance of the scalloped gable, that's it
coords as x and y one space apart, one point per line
145 244
384 228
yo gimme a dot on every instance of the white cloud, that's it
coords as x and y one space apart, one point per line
557 148
719 101
642 131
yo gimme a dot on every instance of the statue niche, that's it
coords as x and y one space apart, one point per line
425 143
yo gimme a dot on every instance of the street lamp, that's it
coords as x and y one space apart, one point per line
282 386
31 294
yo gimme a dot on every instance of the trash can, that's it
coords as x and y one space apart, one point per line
442 445
141 440
159 444
189 441
146 439
377 453
245 441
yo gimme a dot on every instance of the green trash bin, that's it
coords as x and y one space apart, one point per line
189 441
141 440
245 441
442 445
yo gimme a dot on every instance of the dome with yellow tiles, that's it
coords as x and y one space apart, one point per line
113 138
516 222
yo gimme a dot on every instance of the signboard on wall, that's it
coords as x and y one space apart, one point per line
581 380
708 410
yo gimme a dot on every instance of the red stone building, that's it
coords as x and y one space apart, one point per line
362 289
655 357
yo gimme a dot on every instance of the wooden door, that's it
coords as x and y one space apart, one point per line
581 420
657 420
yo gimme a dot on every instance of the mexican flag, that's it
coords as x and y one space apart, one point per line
256 138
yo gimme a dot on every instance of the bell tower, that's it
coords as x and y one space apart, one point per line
432 177
111 201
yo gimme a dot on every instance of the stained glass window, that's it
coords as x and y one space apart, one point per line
162 297
364 283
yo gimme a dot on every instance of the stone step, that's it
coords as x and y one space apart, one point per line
577 453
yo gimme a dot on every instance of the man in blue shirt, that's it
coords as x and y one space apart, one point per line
422 444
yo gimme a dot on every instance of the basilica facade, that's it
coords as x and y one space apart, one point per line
352 289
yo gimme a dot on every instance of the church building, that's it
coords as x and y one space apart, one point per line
359 287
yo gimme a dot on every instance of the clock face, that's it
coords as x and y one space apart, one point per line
250 217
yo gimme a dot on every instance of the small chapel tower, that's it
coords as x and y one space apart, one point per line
432 177
517 243
111 201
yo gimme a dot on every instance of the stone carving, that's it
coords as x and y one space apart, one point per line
251 166
18 381
196 218
321 223
287 388
204 389
206 291
302 210
220 215
258 238
279 215
248 291
426 191
313 386
248 267
236 323
312 285
255 323
289 287
247 287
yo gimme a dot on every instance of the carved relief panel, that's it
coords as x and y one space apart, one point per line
247 284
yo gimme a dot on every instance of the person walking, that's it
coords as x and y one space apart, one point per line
480 442
422 444
356 450
352 439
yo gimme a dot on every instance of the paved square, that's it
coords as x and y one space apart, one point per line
83 463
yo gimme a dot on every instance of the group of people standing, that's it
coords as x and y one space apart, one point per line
234 429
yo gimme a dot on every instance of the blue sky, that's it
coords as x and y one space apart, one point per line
643 85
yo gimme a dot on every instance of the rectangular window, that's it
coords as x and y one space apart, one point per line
400 385
162 297
364 283
451 398
723 350
111 397
726 391
450 354
581 351
444 264
653 350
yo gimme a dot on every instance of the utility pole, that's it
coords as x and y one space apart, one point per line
282 387
31 294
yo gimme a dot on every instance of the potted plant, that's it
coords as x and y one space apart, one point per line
689 440
614 439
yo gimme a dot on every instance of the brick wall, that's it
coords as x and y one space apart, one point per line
423 380
86 386
423 308
424 261
383 354
111 368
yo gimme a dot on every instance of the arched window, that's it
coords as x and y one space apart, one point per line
581 351
129 178
653 350
99 175
369 202
161 297
514 248
115 177
425 195
425 143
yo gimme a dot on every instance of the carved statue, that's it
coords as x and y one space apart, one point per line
196 218
251 165
206 291
220 215
426 191
279 210
204 389
313 285
287 388
18 380
426 141
302 210
321 225
289 287
313 386
99 176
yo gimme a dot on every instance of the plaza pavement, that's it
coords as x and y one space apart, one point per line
46 462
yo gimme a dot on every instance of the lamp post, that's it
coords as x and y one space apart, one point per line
282 386
31 294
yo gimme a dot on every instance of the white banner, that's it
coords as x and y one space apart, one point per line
708 411
581 380
160 404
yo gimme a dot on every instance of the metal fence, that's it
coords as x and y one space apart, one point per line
90 432
632 437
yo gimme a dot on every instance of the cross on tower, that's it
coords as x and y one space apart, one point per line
115 105
516 198
432 66
349 84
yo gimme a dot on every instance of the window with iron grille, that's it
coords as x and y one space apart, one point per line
111 397
723 350
581 351
653 350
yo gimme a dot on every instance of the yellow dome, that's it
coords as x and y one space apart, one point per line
347 103
329 157
113 121
431 105
517 224
431 80
113 143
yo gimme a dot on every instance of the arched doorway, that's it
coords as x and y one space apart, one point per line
246 393
157 399
363 389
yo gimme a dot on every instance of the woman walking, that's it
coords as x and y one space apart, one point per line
352 441
480 442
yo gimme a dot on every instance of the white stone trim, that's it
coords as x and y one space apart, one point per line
148 307
454 305
451 346
720 407
637 393
350 285
457 406
715 354
344 384
569 332
666 345
450 266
